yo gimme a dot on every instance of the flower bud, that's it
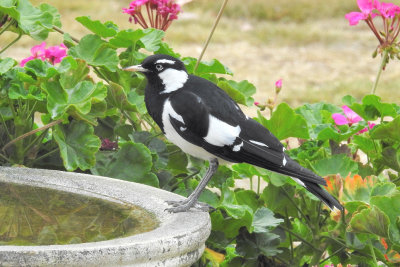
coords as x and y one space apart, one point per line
278 86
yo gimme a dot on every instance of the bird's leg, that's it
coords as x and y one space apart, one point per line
191 201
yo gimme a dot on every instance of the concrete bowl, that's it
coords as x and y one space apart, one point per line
178 241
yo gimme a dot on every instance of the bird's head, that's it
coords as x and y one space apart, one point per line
163 69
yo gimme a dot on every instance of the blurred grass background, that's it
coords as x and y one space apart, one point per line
307 43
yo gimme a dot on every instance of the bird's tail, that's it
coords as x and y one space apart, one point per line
310 181
323 195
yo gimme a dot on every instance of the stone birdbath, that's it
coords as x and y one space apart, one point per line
178 240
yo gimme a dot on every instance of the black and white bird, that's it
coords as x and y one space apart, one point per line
201 119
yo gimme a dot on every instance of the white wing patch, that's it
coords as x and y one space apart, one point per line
173 79
175 137
220 133
168 61
237 147
298 181
257 143
284 161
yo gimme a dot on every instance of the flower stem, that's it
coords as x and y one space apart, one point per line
10 44
378 75
51 124
211 34
371 248
76 40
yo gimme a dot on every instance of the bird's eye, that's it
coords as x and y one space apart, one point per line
159 67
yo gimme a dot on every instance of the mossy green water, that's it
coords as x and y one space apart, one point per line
39 216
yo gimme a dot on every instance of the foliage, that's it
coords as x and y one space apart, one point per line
56 116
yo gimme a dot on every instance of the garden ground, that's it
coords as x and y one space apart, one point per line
315 52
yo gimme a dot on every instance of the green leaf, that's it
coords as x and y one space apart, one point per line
132 162
277 201
41 68
231 206
367 145
95 52
339 163
264 219
252 245
107 29
6 64
371 221
77 100
118 98
247 197
372 107
73 71
36 22
18 91
127 38
77 144
177 160
285 123
384 189
344 132
241 92
152 39
388 130
390 205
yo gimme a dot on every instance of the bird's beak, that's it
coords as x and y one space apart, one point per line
136 68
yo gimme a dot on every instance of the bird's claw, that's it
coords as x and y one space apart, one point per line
185 205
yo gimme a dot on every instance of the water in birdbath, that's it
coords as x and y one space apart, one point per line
33 216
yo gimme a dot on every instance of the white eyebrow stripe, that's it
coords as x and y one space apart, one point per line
168 61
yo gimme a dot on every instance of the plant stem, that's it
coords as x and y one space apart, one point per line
211 34
371 248
45 155
184 179
299 237
290 236
10 44
333 254
76 40
295 205
51 124
378 75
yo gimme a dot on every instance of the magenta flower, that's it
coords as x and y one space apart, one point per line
256 103
160 13
107 144
390 14
387 10
278 83
366 7
54 54
37 51
350 118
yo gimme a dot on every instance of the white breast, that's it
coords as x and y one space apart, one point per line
175 137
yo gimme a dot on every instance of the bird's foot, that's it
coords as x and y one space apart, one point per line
185 205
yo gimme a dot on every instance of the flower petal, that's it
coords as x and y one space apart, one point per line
351 115
355 17
339 119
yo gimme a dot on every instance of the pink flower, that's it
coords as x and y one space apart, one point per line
160 13
370 126
37 51
366 8
256 103
387 10
278 83
54 54
349 118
